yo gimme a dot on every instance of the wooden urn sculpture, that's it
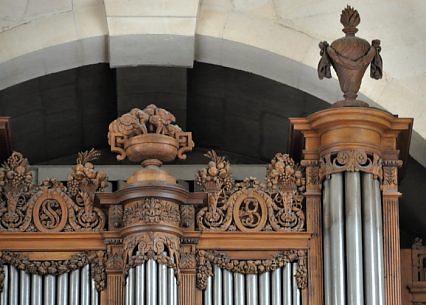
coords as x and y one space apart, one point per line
150 136
350 57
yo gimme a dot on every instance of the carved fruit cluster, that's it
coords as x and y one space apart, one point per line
15 174
283 173
217 175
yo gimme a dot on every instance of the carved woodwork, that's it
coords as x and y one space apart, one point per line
251 206
205 260
57 267
350 57
50 206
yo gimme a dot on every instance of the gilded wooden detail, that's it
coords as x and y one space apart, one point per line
206 260
276 204
50 206
151 210
57 267
350 160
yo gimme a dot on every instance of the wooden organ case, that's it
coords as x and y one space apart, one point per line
322 232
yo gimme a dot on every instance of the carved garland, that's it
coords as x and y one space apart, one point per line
21 262
162 247
51 206
252 206
350 160
206 260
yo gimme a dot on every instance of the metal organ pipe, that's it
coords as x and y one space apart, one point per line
13 288
85 286
49 289
162 284
239 288
24 293
252 289
208 293
379 244
296 292
355 293
264 289
62 296
287 283
327 242
217 286
36 296
337 240
74 287
151 282
139 285
5 292
276 287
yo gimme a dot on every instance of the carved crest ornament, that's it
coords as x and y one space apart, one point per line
51 206
249 206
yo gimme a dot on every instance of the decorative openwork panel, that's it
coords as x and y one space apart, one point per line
276 204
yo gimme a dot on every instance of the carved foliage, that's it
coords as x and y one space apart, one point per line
151 210
51 206
161 247
206 260
390 175
21 262
350 160
250 205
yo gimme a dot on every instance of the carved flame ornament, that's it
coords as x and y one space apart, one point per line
51 206
350 57
251 206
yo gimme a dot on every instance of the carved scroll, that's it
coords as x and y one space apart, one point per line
206 260
96 258
51 206
250 206
350 160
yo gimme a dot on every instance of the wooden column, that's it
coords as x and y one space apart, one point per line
391 245
115 287
314 224
188 274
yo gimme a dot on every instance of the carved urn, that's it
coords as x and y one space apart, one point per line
150 136
350 57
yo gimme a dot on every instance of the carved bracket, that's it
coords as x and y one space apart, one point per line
206 260
21 262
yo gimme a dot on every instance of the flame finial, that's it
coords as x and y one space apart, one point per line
350 19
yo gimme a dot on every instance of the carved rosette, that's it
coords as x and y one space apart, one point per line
96 258
151 211
159 246
51 206
206 260
251 206
350 160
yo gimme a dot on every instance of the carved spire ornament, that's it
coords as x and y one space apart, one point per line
350 57
151 136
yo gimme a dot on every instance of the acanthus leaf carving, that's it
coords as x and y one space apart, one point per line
276 204
206 260
151 210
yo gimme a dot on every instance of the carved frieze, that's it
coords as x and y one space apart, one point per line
350 160
50 206
276 204
206 260
96 258
151 211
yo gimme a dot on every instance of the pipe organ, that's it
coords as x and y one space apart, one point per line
324 231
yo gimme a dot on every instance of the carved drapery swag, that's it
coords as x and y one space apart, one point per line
206 260
159 246
50 206
273 205
96 258
350 160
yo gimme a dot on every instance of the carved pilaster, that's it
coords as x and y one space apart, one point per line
391 244
314 224
114 269
188 266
